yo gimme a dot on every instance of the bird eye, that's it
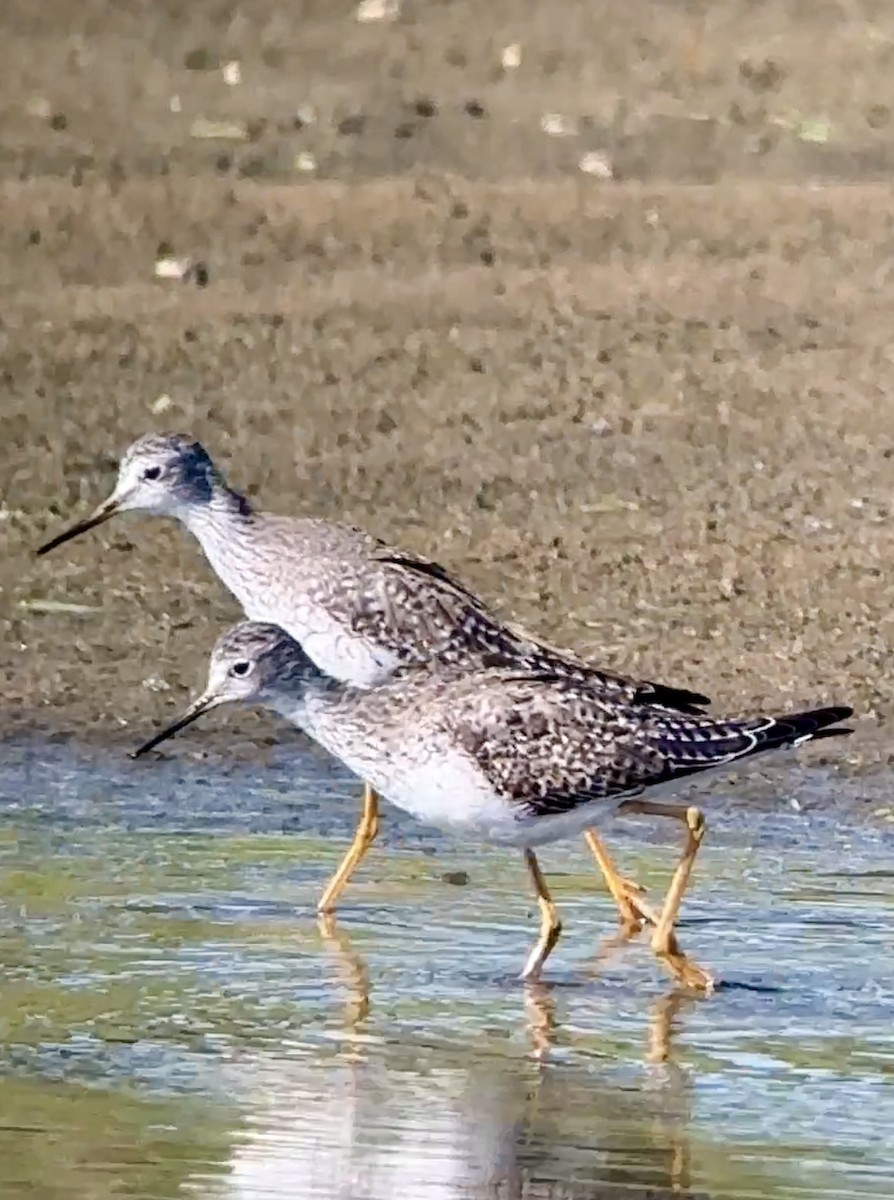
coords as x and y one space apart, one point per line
240 668
152 473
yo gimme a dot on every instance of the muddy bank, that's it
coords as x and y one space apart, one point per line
645 417
670 446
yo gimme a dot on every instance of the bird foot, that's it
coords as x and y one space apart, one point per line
687 973
634 912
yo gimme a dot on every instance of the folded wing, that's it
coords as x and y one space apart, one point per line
550 744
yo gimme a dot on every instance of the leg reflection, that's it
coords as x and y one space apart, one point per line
352 970
578 1112
663 1023
540 1010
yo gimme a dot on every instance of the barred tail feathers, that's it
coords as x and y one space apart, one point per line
695 747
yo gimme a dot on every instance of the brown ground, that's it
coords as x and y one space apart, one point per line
646 416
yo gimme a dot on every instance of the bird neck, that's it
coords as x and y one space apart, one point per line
309 698
344 719
217 516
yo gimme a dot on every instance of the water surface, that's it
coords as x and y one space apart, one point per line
176 1021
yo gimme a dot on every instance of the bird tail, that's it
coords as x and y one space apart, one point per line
691 746
794 729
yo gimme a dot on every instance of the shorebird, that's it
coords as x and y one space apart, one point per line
360 608
495 755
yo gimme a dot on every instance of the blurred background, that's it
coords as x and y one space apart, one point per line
592 302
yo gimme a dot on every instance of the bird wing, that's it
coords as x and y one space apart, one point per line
452 617
425 567
549 744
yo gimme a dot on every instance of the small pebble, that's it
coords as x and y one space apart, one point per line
558 125
377 10
305 114
172 268
231 131
511 57
154 683
597 164
232 73
457 878
816 130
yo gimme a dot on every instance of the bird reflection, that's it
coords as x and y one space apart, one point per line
543 1024
538 997
455 1127
471 1120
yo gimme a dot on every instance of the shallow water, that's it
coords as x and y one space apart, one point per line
174 1020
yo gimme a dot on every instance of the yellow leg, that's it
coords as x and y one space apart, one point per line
550 925
626 895
664 939
363 839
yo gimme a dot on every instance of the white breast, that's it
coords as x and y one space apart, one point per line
453 795
442 789
434 781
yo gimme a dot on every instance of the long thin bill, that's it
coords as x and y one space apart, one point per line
101 515
192 714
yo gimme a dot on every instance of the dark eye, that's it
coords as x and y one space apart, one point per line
152 473
241 668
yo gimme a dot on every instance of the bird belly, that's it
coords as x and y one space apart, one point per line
530 831
448 793
595 814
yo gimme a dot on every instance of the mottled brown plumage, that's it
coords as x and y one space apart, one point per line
491 754
360 608
531 747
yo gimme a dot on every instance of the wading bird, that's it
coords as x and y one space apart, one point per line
360 608
496 755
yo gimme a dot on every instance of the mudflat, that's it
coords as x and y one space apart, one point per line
608 333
